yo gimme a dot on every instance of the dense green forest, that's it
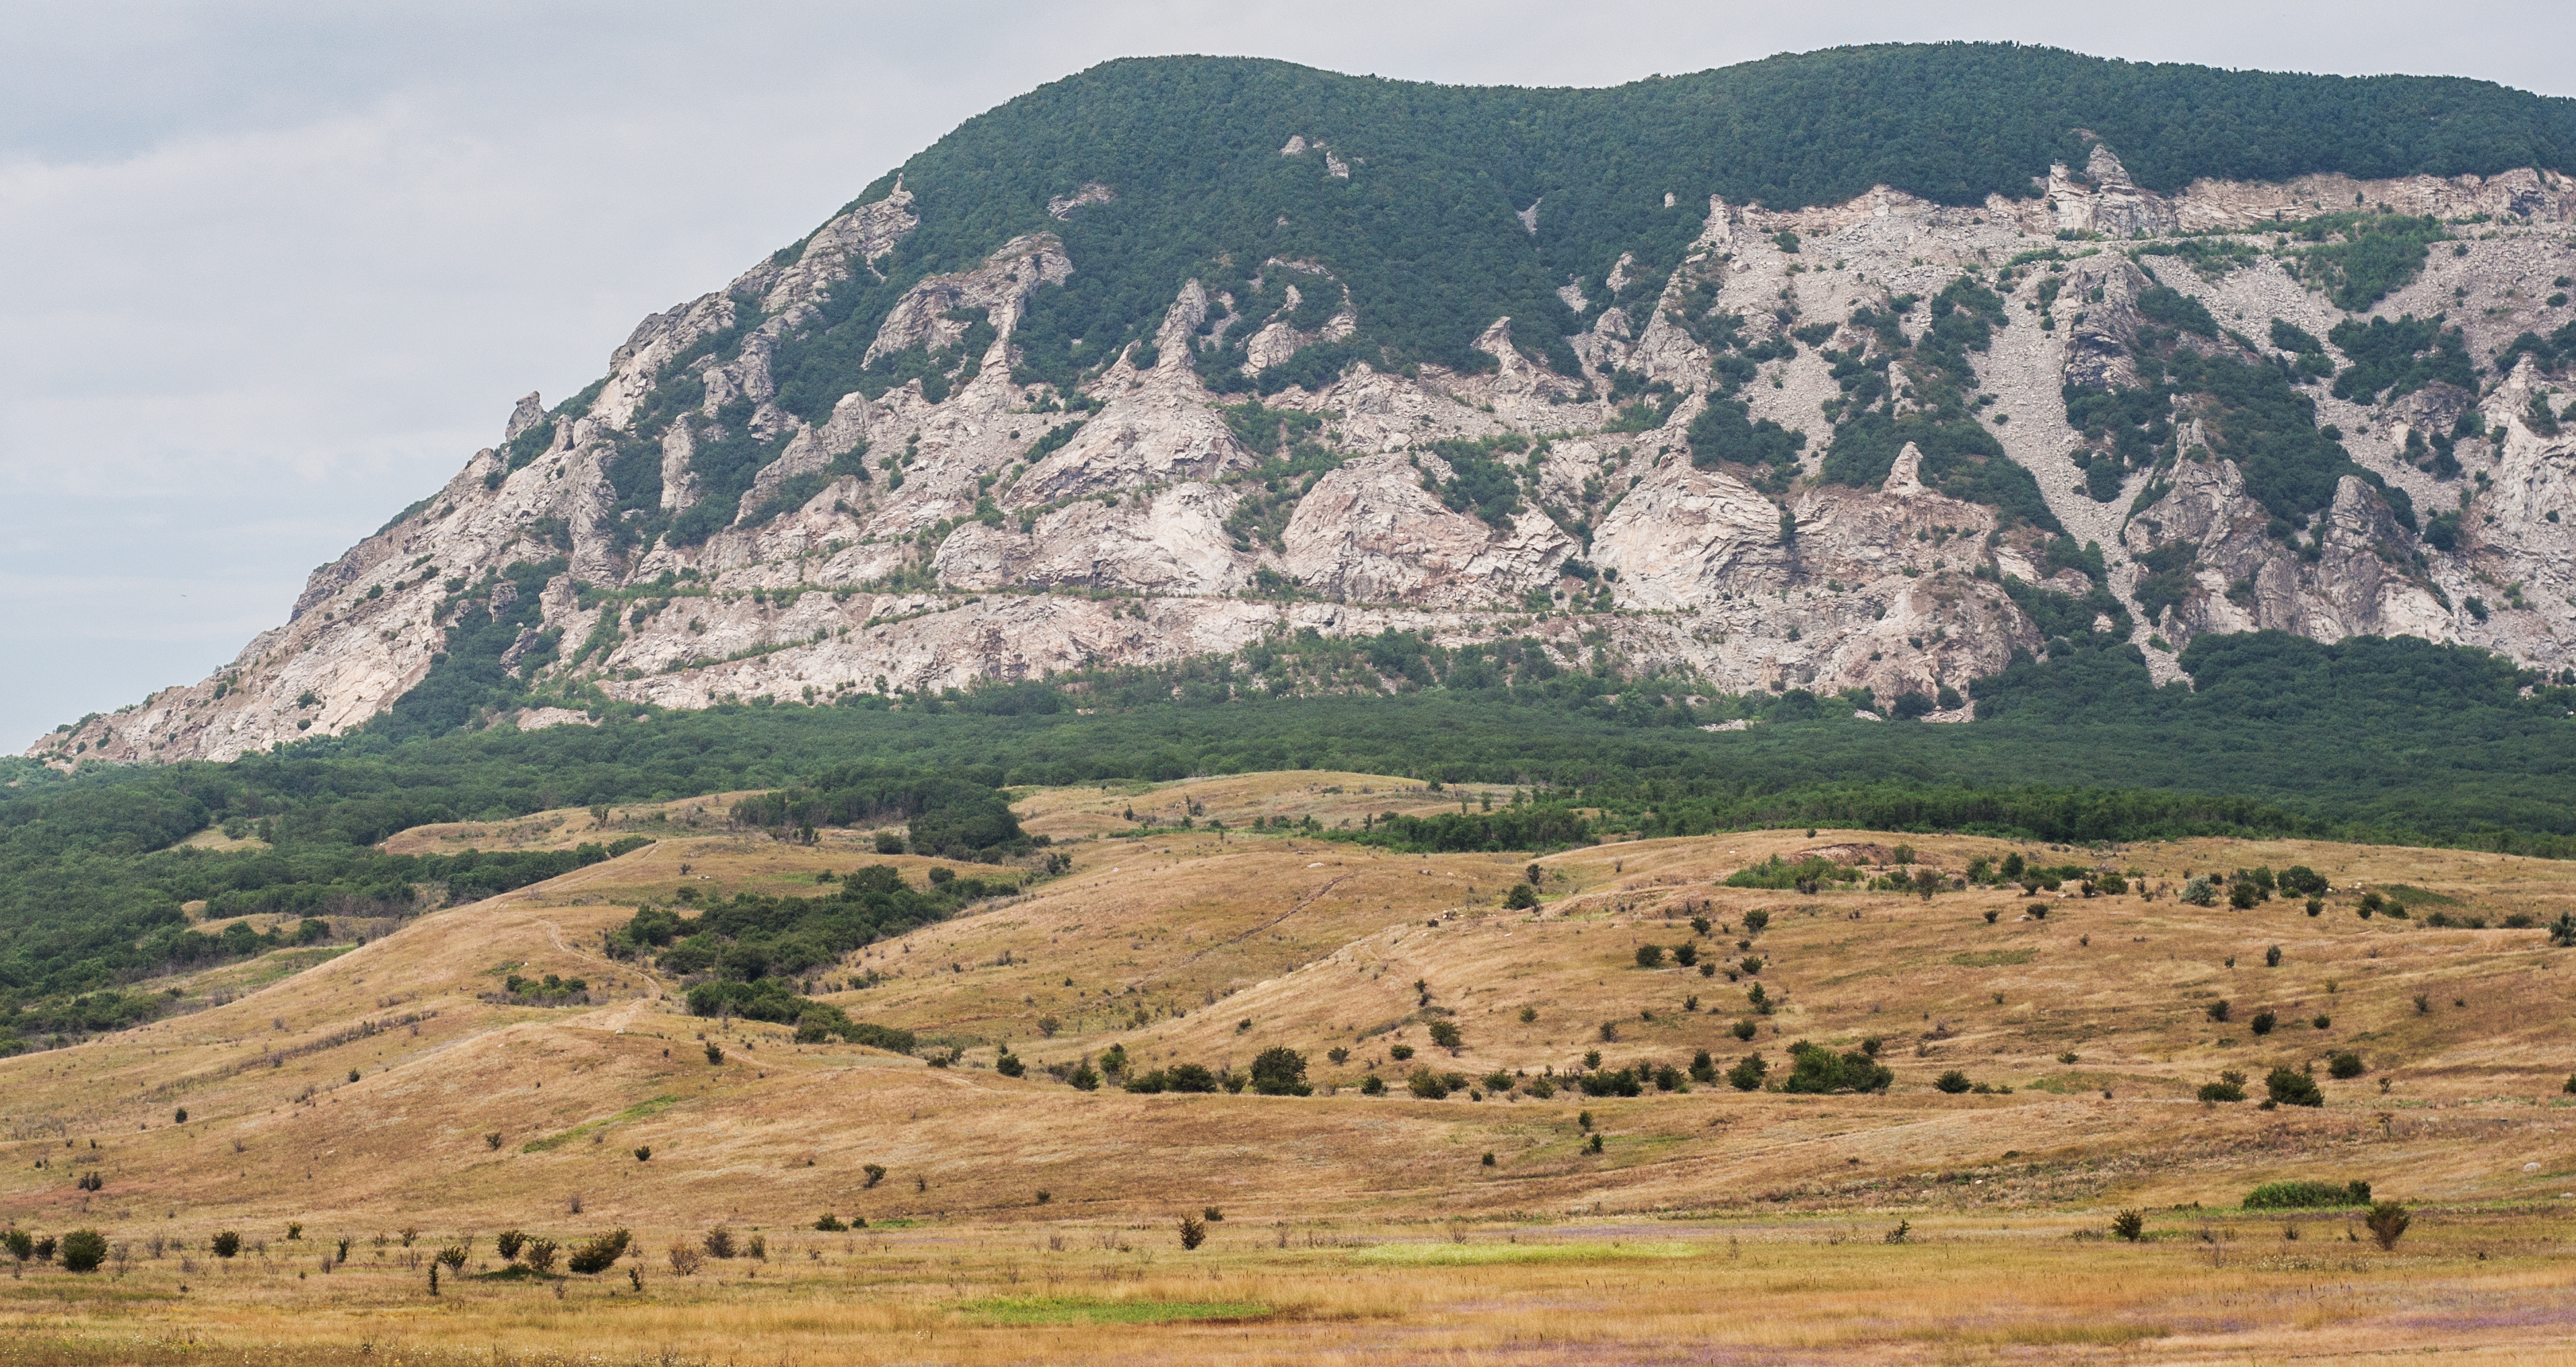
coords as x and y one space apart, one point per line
2395 739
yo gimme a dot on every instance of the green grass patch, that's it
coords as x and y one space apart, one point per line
2413 897
1074 1310
1476 1255
1995 958
638 1111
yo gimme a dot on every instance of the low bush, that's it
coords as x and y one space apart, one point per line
2387 1223
2344 1065
83 1250
1747 1073
600 1254
1953 1082
2290 1087
2307 1195
2230 1086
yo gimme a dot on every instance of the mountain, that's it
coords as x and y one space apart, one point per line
1868 371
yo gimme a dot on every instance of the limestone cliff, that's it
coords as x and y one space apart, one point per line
683 534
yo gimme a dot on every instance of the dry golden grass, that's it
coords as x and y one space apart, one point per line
1171 943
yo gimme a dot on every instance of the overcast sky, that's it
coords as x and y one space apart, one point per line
269 272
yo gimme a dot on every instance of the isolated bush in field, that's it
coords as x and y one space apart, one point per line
2387 1224
643 1153
226 1244
2218 1010
1755 922
1445 1034
1745 1028
2290 1087
2198 891
2263 1022
1747 1073
1991 914
718 1242
1400 1052
1193 1232
453 1257
508 1243
1426 1084
1281 1071
1190 1077
1543 1089
1084 1079
2130 1225
492 1140
685 1261
1498 1082
1338 1055
1703 1068
2323 1021
180 1116
1528 1014
599 1254
83 1250
1700 924
1609 1032
20 1244
1669 1079
1522 897
1594 1146
1650 956
757 1248
2272 957
714 1054
1953 1082
1686 954
2345 1065
876 1172
2229 1087
1372 1085
1816 1069
830 1223
2307 1195
540 1255
2243 896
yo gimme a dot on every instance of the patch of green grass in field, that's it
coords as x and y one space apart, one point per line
1466 1255
637 1111
1995 958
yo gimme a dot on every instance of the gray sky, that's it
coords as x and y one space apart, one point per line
272 271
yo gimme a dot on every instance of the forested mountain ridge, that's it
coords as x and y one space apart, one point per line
1855 370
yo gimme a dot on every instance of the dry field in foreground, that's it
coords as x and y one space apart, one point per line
360 1092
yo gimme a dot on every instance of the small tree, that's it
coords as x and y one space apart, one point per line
2130 1225
1745 1028
2345 1065
541 1255
2272 957
599 1254
1522 897
1747 1073
453 1256
83 1250
1281 1071
226 1244
875 1172
1193 1231
2263 1022
643 1153
2290 1087
719 1242
2229 1087
508 1243
685 1261
1650 956
1445 1034
2387 1224
714 1054
1953 1082
1755 921
20 1243
2218 1011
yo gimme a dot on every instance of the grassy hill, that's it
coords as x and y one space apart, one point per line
408 1084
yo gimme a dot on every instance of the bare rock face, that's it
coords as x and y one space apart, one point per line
964 527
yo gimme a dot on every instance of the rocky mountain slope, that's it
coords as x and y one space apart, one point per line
1881 443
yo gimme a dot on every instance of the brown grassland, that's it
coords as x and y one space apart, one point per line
391 1095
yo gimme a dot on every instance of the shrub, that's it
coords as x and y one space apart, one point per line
2323 1021
1445 1034
2290 1087
685 1261
1686 954
2344 1065
541 1255
1747 1073
1609 1032
1427 1085
1193 1232
2218 1010
830 1223
2243 896
2263 1022
508 1243
1522 897
643 1153
1528 1014
888 842
876 1172
2272 957
83 1250
1703 1068
2307 1195
1498 1082
718 1242
2130 1225
1953 1082
2387 1223
1755 922
1372 1085
179 1117
1281 1071
226 1244
1650 956
20 1244
1543 1089
2198 891
453 1257
714 1053
1745 1028
2230 1086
